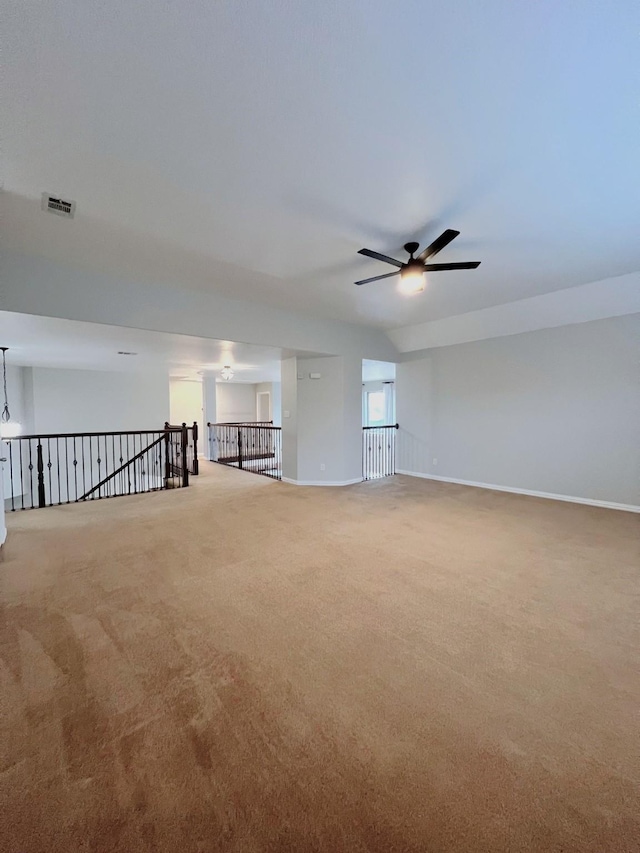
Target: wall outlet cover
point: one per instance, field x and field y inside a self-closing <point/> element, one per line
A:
<point x="315" y="376"/>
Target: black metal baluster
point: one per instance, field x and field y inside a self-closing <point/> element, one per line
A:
<point x="75" y="468"/>
<point x="66" y="463"/>
<point x="84" y="488"/>
<point x="49" y="468"/>
<point x="22" y="484"/>
<point x="40" y="470"/>
<point x="10" y="449"/>
<point x="31" y="472"/>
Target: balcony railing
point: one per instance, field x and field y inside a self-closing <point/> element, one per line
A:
<point x="255" y="447"/>
<point x="378" y="451"/>
<point x="61" y="468"/>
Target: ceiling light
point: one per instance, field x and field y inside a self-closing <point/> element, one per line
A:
<point x="412" y="279"/>
<point x="226" y="372"/>
<point x="8" y="428"/>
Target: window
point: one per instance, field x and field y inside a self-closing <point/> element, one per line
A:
<point x="376" y="408"/>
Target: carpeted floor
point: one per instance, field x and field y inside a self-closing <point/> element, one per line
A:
<point x="401" y="665"/>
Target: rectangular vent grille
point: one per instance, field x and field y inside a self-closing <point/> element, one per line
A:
<point x="59" y="206"/>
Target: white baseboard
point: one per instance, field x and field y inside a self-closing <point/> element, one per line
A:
<point x="530" y="492"/>
<point x="321" y="483"/>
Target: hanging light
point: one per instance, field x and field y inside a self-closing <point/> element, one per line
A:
<point x="8" y="428"/>
<point x="226" y="372"/>
<point x="412" y="278"/>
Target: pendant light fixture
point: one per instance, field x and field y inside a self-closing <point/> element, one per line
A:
<point x="8" y="429"/>
<point x="226" y="372"/>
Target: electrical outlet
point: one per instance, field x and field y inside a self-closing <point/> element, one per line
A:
<point x="435" y="462"/>
<point x="322" y="466"/>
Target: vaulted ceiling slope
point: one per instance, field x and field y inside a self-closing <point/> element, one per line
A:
<point x="250" y="149"/>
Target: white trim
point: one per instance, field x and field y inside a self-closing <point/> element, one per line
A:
<point x="321" y="482"/>
<point x="530" y="492"/>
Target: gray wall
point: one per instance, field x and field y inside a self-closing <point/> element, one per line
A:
<point x="66" y="401"/>
<point x="322" y="437"/>
<point x="235" y="402"/>
<point x="557" y="411"/>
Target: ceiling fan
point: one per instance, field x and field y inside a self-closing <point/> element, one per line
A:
<point x="412" y="272"/>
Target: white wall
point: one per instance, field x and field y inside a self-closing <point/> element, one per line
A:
<point x="235" y="402"/>
<point x="35" y="285"/>
<point x="555" y="411"/>
<point x="185" y="404"/>
<point x="97" y="401"/>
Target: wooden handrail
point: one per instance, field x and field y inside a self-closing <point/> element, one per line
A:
<point x="242" y="423"/>
<point x="91" y="434"/>
<point x="121" y="468"/>
<point x="383" y="426"/>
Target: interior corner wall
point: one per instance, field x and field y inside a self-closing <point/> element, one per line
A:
<point x="66" y="401"/>
<point x="555" y="411"/>
<point x="414" y="409"/>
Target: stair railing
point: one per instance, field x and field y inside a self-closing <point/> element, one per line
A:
<point x="60" y="468"/>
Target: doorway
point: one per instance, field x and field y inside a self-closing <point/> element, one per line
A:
<point x="264" y="406"/>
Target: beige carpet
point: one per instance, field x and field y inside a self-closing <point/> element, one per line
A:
<point x="250" y="666"/>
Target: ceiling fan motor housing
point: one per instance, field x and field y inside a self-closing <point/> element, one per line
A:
<point x="412" y="267"/>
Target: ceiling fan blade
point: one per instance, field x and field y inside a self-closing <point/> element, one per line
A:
<point x="438" y="244"/>
<point x="465" y="265"/>
<point x="371" y="254"/>
<point x="377" y="277"/>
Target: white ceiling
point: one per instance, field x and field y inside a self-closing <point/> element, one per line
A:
<point x="253" y="148"/>
<point x="49" y="342"/>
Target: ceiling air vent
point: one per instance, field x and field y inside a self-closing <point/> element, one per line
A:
<point x="60" y="206"/>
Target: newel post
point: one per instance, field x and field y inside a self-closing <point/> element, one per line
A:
<point x="185" y="466"/>
<point x="196" y="464"/>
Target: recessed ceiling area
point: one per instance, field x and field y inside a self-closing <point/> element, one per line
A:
<point x="251" y="149"/>
<point x="50" y="342"/>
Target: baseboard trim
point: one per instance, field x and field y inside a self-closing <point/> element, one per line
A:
<point x="321" y="482"/>
<point x="548" y="495"/>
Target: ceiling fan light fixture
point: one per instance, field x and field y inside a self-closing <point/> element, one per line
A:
<point x="226" y="373"/>
<point x="412" y="279"/>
